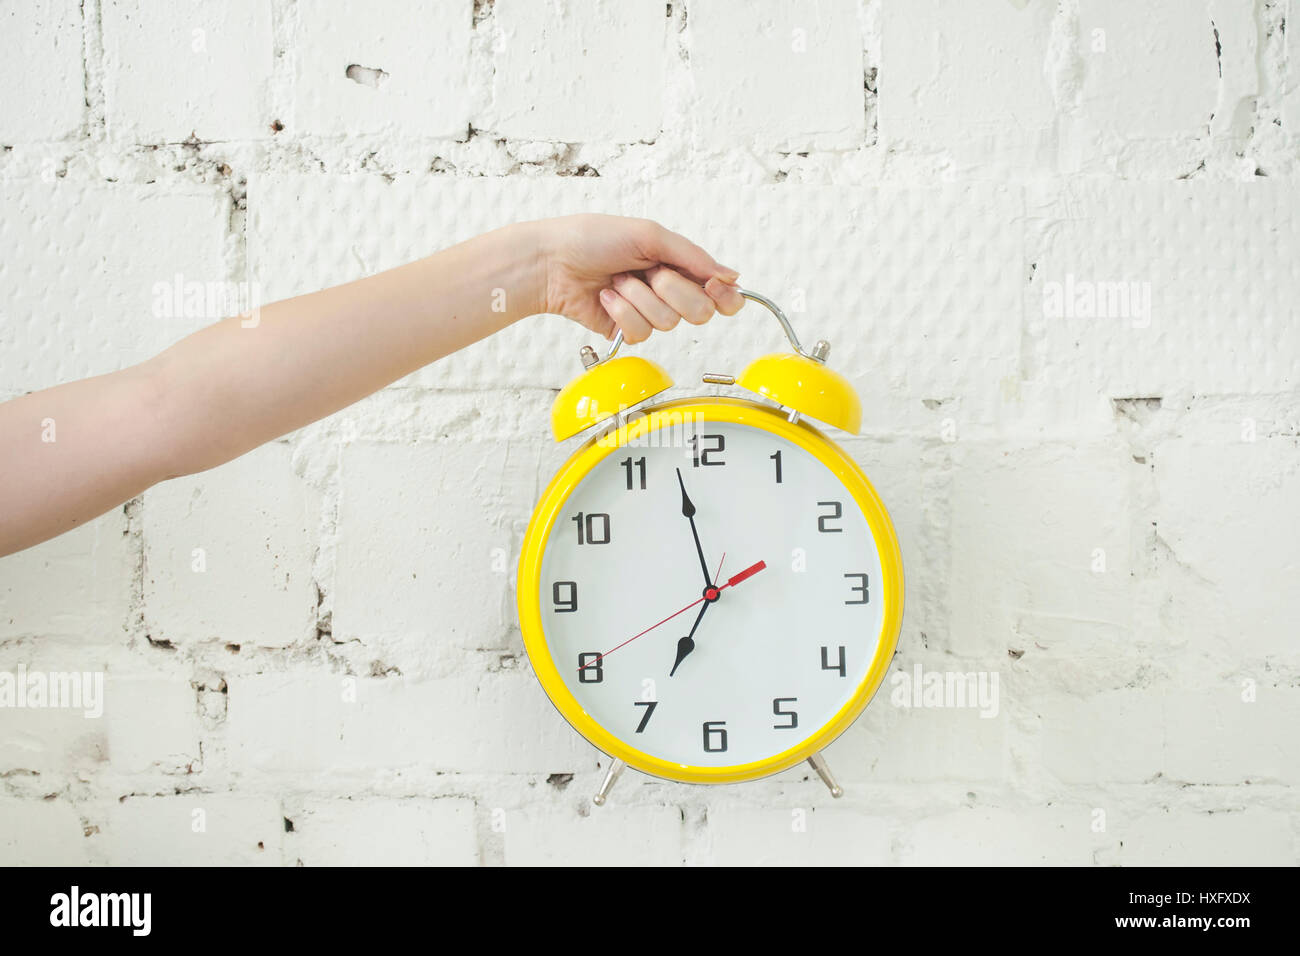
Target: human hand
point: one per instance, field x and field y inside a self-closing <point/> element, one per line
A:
<point x="609" y="273"/>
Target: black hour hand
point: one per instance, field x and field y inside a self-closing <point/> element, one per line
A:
<point x="684" y="647"/>
<point x="687" y="643"/>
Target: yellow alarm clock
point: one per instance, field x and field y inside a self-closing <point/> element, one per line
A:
<point x="710" y="590"/>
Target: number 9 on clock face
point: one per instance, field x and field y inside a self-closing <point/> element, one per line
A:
<point x="710" y="593"/>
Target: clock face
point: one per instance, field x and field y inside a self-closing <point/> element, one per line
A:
<point x="710" y="594"/>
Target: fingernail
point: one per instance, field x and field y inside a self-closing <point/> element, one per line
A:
<point x="728" y="274"/>
<point x="606" y="296"/>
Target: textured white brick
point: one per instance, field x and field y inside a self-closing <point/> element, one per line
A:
<point x="893" y="744"/>
<point x="80" y="265"/>
<point x="1149" y="69"/>
<point x="1188" y="735"/>
<point x="40" y="833"/>
<point x="796" y="836"/>
<point x="76" y="585"/>
<point x="1216" y="261"/>
<point x="1229" y="837"/>
<point x="1291" y="89"/>
<point x="254" y="521"/>
<point x="203" y="829"/>
<point x="1029" y="525"/>
<point x="910" y="285"/>
<point x="428" y="543"/>
<point x="41" y="70"/>
<point x="151" y="722"/>
<point x="965" y="77"/>
<point x="1113" y="737"/>
<point x="360" y="832"/>
<point x="422" y="52"/>
<point x="305" y="723"/>
<point x="1216" y="737"/>
<point x="612" y="835"/>
<point x="172" y="71"/>
<point x="1220" y="508"/>
<point x="584" y="70"/>
<point x="784" y="75"/>
<point x="53" y="741"/>
<point x="974" y="836"/>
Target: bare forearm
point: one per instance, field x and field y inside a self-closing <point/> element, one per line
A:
<point x="238" y="384"/>
<point x="74" y="451"/>
<point x="78" y="450"/>
<point x="248" y="379"/>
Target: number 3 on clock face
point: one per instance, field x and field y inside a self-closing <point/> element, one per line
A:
<point x="712" y="593"/>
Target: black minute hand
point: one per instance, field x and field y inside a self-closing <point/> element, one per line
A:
<point x="688" y="509"/>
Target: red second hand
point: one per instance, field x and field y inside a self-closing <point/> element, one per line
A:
<point x="732" y="581"/>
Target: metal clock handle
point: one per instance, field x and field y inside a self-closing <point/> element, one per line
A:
<point x="818" y="353"/>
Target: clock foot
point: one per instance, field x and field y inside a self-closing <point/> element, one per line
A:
<point x="611" y="775"/>
<point x="819" y="764"/>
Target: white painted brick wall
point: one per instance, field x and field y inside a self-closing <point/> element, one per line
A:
<point x="46" y="103"/>
<point x="1099" y="509"/>
<point x="176" y="71"/>
<point x="228" y="554"/>
<point x="370" y="832"/>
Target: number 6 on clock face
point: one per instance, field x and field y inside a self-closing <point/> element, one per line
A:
<point x="740" y="565"/>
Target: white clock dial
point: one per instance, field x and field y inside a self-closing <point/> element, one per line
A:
<point x="774" y="656"/>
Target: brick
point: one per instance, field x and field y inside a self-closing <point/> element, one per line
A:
<point x="1150" y="72"/>
<point x="1251" y="836"/>
<point x="41" y="70"/>
<point x="421" y="53"/>
<point x="498" y="723"/>
<point x="1114" y="737"/>
<point x="74" y="586"/>
<point x="1215" y="737"/>
<point x="173" y="71"/>
<point x="422" y="527"/>
<point x="966" y="77"/>
<point x="894" y="744"/>
<point x="975" y="836"/>
<point x="382" y="832"/>
<point x="254" y="522"/>
<point x="78" y="294"/>
<point x="44" y="833"/>
<point x="1069" y="508"/>
<point x="36" y="736"/>
<point x="190" y="829"/>
<point x="1205" y="270"/>
<point x="608" y="836"/>
<point x="796" y="836"/>
<point x="929" y="253"/>
<point x="1222" y="498"/>
<point x="1291" y="89"/>
<point x="585" y="71"/>
<point x="152" y="722"/>
<point x="1190" y="735"/>
<point x="785" y="75"/>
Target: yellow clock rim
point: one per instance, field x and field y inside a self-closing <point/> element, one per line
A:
<point x="580" y="464"/>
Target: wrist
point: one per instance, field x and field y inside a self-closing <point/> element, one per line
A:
<point x="530" y="254"/>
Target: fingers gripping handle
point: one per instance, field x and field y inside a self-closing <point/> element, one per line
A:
<point x="762" y="300"/>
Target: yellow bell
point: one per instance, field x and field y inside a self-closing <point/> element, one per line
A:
<point x="797" y="380"/>
<point x="807" y="386"/>
<point x="604" y="390"/>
